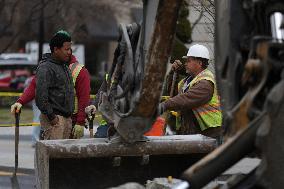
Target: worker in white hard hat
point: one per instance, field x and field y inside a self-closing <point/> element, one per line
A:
<point x="197" y="103"/>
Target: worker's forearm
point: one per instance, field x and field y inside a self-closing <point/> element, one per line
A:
<point x="196" y="96"/>
<point x="28" y="94"/>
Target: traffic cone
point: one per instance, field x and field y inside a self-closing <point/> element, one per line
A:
<point x="158" y="127"/>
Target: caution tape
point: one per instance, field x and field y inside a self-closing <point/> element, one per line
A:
<point x="21" y="124"/>
<point x="91" y="96"/>
<point x="10" y="94"/>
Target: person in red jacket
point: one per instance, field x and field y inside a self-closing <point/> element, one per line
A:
<point x="81" y="79"/>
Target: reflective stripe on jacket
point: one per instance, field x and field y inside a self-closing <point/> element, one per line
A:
<point x="208" y="115"/>
<point x="75" y="69"/>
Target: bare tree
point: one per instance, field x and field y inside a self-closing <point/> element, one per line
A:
<point x="13" y="24"/>
<point x="206" y="11"/>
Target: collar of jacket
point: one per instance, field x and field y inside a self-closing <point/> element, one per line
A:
<point x="48" y="57"/>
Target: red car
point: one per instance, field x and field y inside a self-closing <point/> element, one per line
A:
<point x="14" y="70"/>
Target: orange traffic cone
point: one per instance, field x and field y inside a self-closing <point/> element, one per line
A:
<point x="158" y="127"/>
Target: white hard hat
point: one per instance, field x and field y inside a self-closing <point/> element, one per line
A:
<point x="199" y="51"/>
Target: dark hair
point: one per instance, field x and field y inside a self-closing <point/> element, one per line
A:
<point x="58" y="39"/>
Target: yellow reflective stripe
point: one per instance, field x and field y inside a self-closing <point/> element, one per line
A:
<point x="208" y="115"/>
<point x="214" y="105"/>
<point x="75" y="73"/>
<point x="10" y="94"/>
<point x="75" y="69"/>
<point x="208" y="107"/>
<point x="72" y="67"/>
<point x="21" y="124"/>
<point x="180" y="85"/>
<point x="15" y="94"/>
<point x="75" y="103"/>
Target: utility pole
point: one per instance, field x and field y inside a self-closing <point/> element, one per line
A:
<point x="41" y="31"/>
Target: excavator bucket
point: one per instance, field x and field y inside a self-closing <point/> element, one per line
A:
<point x="128" y="104"/>
<point x="97" y="163"/>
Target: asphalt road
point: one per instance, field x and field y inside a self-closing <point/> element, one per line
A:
<point x="25" y="178"/>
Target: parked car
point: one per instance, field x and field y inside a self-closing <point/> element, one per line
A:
<point x="15" y="68"/>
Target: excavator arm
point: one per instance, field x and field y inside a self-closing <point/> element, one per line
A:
<point x="249" y="53"/>
<point x="138" y="73"/>
<point x="128" y="102"/>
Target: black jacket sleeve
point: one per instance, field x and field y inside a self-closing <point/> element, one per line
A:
<point x="43" y="82"/>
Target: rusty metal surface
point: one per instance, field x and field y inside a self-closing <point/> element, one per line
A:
<point x="158" y="156"/>
<point x="141" y="72"/>
<point x="234" y="149"/>
<point x="132" y="127"/>
<point x="177" y="144"/>
<point x="157" y="57"/>
<point x="254" y="76"/>
<point x="270" y="140"/>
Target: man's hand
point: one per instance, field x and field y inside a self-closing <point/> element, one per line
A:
<point x="78" y="131"/>
<point x="177" y="65"/>
<point x="54" y="121"/>
<point x="15" y="108"/>
<point x="90" y="110"/>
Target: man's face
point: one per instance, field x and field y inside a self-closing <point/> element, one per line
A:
<point x="192" y="66"/>
<point x="64" y="53"/>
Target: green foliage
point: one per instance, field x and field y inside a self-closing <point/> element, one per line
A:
<point x="179" y="50"/>
<point x="184" y="12"/>
<point x="183" y="30"/>
<point x="183" y="33"/>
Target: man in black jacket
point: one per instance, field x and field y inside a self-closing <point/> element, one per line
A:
<point x="55" y="90"/>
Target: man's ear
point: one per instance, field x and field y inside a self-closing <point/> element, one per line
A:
<point x="55" y="49"/>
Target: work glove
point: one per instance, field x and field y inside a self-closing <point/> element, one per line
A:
<point x="89" y="110"/>
<point x="16" y="107"/>
<point x="78" y="131"/>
